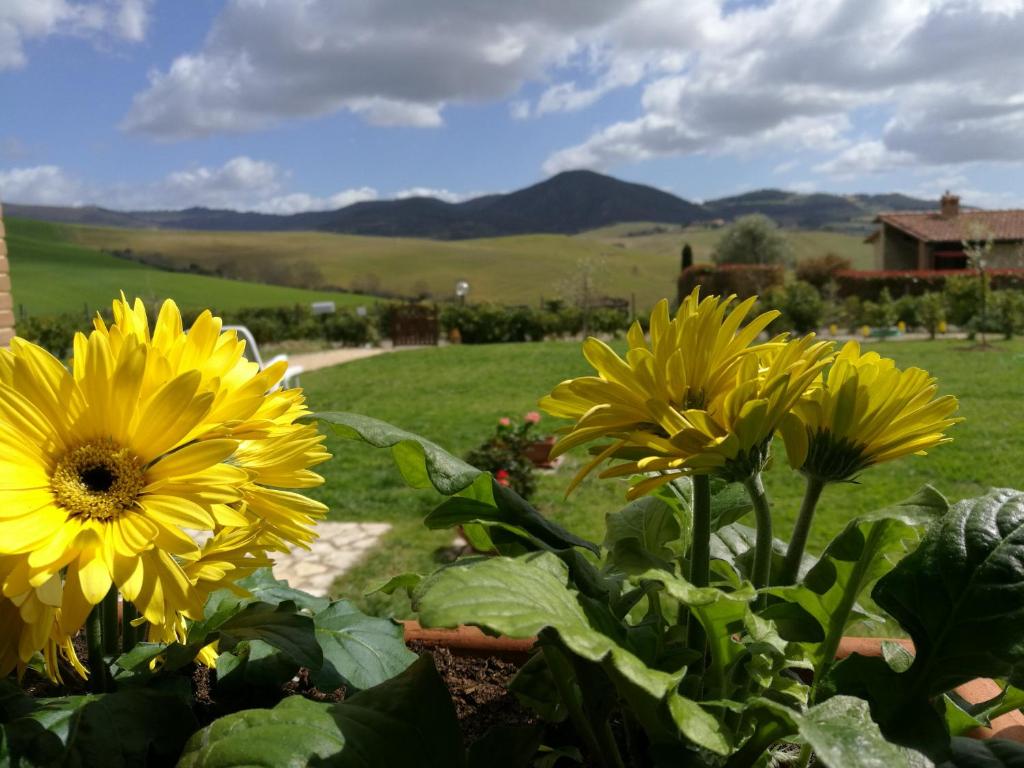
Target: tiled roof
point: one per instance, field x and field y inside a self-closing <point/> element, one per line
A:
<point x="932" y="227"/>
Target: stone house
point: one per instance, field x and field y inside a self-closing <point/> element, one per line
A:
<point x="933" y="240"/>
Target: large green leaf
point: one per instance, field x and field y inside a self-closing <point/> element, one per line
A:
<point x="843" y="735"/>
<point x="520" y="597"/>
<point x="422" y="463"/>
<point x="408" y="720"/>
<point x="150" y="727"/>
<point x="862" y="553"/>
<point x="264" y="588"/>
<point x="960" y="595"/>
<point x="360" y="651"/>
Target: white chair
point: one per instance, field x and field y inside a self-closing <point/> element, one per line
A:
<point x="252" y="353"/>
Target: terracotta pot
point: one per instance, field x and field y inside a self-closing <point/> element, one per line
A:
<point x="1008" y="726"/>
<point x="470" y="641"/>
<point x="539" y="452"/>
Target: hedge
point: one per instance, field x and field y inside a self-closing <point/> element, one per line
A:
<point x="742" y="279"/>
<point x="868" y="284"/>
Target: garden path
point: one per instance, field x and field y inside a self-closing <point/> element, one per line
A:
<point x="340" y="546"/>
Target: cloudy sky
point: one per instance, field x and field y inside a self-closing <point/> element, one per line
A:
<point x="291" y="105"/>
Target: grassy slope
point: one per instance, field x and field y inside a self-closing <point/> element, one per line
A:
<point x="50" y="274"/>
<point x="513" y="270"/>
<point x="454" y="395"/>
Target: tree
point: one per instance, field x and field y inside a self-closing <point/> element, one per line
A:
<point x="753" y="239"/>
<point x="686" y="258"/>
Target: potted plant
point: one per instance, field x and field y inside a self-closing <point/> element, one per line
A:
<point x="688" y="638"/>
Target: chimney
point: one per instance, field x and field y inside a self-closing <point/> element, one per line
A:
<point x="950" y="205"/>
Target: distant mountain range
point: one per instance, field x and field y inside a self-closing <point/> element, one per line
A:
<point x="567" y="203"/>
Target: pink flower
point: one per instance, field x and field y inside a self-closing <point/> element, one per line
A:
<point x="502" y="477"/>
<point x="505" y="421"/>
<point x="533" y="417"/>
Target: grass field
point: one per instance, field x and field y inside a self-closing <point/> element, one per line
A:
<point x="50" y="274"/>
<point x="454" y="395"/>
<point x="511" y="270"/>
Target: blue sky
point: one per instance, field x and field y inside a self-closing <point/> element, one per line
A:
<point x="290" y="105"/>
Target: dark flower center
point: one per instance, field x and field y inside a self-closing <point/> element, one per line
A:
<point x="98" y="479"/>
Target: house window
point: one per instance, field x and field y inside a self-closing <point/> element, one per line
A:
<point x="951" y="259"/>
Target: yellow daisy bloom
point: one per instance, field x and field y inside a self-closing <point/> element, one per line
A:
<point x="731" y="437"/>
<point x="691" y="361"/>
<point x="868" y="411"/>
<point x="112" y="466"/>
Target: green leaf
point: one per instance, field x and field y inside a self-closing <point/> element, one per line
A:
<point x="267" y="589"/>
<point x="719" y="613"/>
<point x="649" y="521"/>
<point x="992" y="753"/>
<point x="150" y="726"/>
<point x="406" y="581"/>
<point x="843" y="735"/>
<point x="729" y="501"/>
<point x="699" y="725"/>
<point x="862" y="553"/>
<point x="408" y="720"/>
<point x="519" y="597"/>
<point x="360" y="651"/>
<point x="535" y="688"/>
<point x="960" y="595"/>
<point x="422" y="463"/>
<point x="506" y="508"/>
<point x="279" y="626"/>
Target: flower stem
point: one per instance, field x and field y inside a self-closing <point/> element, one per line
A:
<point x="700" y="552"/>
<point x="110" y="622"/>
<point x="94" y="639"/>
<point x="798" y="542"/>
<point x="764" y="541"/>
<point x="129" y="634"/>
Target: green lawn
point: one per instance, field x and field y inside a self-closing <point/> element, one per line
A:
<point x="510" y="270"/>
<point x="454" y="395"/>
<point x="50" y="275"/>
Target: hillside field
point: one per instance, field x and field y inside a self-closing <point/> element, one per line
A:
<point x="52" y="274"/>
<point x="513" y="270"/>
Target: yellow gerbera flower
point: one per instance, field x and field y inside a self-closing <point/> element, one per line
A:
<point x="112" y="466"/>
<point x="731" y="437"/>
<point x="868" y="411"/>
<point x="691" y="361"/>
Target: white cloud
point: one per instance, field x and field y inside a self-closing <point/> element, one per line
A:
<point x="40" y="185"/>
<point x="242" y="184"/>
<point x="519" y="109"/>
<point x="440" y="194"/>
<point x="25" y="20"/>
<point x="864" y="158"/>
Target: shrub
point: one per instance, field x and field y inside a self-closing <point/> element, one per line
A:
<point x="1006" y="312"/>
<point x="931" y="309"/>
<point x="55" y="334"/>
<point x="881" y="313"/>
<point x="963" y="298"/>
<point x="801" y="305"/>
<point x="820" y="271"/>
<point x="753" y="239"/>
<point x="867" y="284"/>
<point x="908" y="310"/>
<point x="503" y="454"/>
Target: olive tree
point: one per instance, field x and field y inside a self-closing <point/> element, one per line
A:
<point x="753" y="239"/>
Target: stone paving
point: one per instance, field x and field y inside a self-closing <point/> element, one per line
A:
<point x="339" y="548"/>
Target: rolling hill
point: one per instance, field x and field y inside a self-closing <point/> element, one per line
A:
<point x="640" y="259"/>
<point x="568" y="203"/>
<point x="51" y="274"/>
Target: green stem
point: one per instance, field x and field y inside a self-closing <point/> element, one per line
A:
<point x="700" y="552"/>
<point x="761" y="575"/>
<point x="94" y="639"/>
<point x="805" y="756"/>
<point x="839" y="617"/>
<point x="129" y="634"/>
<point x="798" y="542"/>
<point x="607" y="755"/>
<point x="110" y="622"/>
